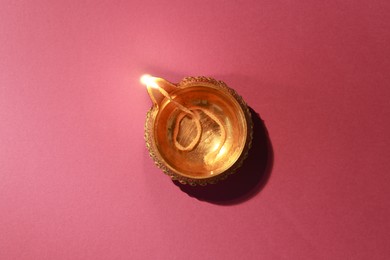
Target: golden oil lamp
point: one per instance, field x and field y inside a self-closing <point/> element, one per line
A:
<point x="198" y="131"/>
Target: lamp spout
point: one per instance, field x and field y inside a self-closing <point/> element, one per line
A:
<point x="158" y="88"/>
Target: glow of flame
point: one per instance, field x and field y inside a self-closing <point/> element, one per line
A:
<point x="149" y="80"/>
<point x="222" y="150"/>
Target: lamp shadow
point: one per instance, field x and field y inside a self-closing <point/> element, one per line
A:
<point x="248" y="180"/>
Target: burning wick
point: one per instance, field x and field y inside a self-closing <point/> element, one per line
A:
<point x="192" y="113"/>
<point x="150" y="81"/>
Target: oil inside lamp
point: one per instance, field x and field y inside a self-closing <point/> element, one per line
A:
<point x="198" y="131"/>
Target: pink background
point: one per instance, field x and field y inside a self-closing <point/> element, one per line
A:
<point x="76" y="181"/>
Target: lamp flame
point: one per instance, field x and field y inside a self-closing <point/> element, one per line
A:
<point x="149" y="80"/>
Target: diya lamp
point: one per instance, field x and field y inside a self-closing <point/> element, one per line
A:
<point x="198" y="131"/>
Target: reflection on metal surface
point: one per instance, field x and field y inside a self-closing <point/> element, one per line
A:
<point x="198" y="131"/>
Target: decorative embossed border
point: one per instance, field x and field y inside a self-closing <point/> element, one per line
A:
<point x="153" y="151"/>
